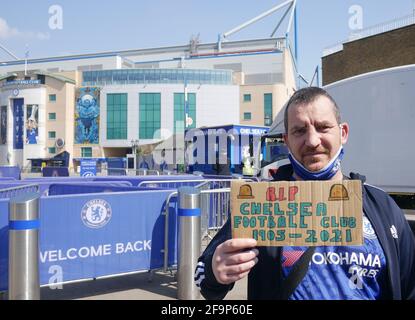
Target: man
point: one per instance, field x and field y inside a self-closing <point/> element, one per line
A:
<point x="382" y="268"/>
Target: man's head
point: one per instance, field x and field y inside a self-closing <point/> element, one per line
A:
<point x="313" y="128"/>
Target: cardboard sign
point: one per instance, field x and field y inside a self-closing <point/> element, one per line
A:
<point x="298" y="213"/>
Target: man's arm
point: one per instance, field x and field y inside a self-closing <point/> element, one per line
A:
<point x="224" y="261"/>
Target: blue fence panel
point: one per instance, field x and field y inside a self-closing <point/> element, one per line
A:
<point x="45" y="183"/>
<point x="7" y="193"/>
<point x="61" y="189"/>
<point x="10" y="171"/>
<point x="12" y="184"/>
<point x="88" y="236"/>
<point x="136" y="180"/>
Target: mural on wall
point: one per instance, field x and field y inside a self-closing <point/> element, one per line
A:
<point x="3" y="125"/>
<point x="32" y="120"/>
<point x="87" y="116"/>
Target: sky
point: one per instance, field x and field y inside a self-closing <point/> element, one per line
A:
<point x="90" y="26"/>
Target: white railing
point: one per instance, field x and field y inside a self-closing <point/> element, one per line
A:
<point x="371" y="31"/>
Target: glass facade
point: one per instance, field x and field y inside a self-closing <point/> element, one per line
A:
<point x="179" y="111"/>
<point x="150" y="115"/>
<point x="116" y="116"/>
<point x="86" y="152"/>
<point x="268" y="109"/>
<point x="131" y="76"/>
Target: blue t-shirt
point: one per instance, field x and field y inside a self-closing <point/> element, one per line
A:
<point x="341" y="273"/>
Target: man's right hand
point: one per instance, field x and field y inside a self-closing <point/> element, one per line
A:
<point x="233" y="259"/>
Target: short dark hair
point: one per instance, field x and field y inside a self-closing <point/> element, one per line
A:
<point x="308" y="95"/>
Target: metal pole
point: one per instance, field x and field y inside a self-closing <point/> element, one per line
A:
<point x="24" y="283"/>
<point x="259" y="17"/>
<point x="189" y="237"/>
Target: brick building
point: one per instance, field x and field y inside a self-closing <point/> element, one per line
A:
<point x="384" y="46"/>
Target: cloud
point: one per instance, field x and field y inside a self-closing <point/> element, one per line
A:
<point x="7" y="32"/>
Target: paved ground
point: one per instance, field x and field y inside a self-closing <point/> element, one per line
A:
<point x="163" y="286"/>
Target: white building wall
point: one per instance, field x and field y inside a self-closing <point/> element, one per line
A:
<point x="251" y="64"/>
<point x="7" y="149"/>
<point x="62" y="64"/>
<point x="215" y="105"/>
<point x="31" y="96"/>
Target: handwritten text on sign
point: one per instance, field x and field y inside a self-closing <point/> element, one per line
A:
<point x="300" y="213"/>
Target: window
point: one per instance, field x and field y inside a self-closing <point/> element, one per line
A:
<point x="117" y="116"/>
<point x="179" y="111"/>
<point x="247" y="98"/>
<point x="52" y="150"/>
<point x="150" y="115"/>
<point x="86" y="152"/>
<point x="268" y="109"/>
<point x="247" y="116"/>
<point x="52" y="134"/>
<point x="52" y="98"/>
<point x="52" y="116"/>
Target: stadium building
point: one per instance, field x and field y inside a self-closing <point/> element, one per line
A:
<point x="96" y="105"/>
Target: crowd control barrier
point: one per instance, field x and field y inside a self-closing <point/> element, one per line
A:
<point x="55" y="172"/>
<point x="93" y="235"/>
<point x="45" y="184"/>
<point x="138" y="180"/>
<point x="10" y="192"/>
<point x="10" y="171"/>
<point x="61" y="189"/>
<point x="214" y="207"/>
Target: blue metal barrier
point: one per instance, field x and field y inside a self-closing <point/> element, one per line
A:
<point x="44" y="184"/>
<point x="9" y="192"/>
<point x="88" y="236"/>
<point x="136" y="180"/>
<point x="10" y="171"/>
<point x="61" y="189"/>
<point x="55" y="172"/>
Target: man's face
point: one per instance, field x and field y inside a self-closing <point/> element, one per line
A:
<point x="313" y="134"/>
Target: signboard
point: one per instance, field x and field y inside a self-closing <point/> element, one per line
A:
<point x="22" y="83"/>
<point x="32" y="120"/>
<point x="298" y="213"/>
<point x="18" y="123"/>
<point x="88" y="168"/>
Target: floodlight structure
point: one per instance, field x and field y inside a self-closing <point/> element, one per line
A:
<point x="8" y="52"/>
<point x="291" y="8"/>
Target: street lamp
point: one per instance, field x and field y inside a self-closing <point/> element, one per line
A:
<point x="135" y="144"/>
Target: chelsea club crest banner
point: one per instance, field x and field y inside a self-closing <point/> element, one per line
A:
<point x="87" y="116"/>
